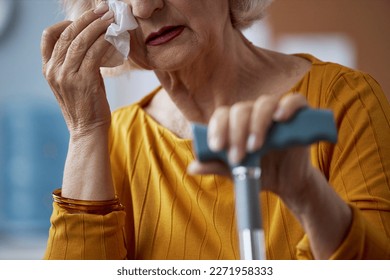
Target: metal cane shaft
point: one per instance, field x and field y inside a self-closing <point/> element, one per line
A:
<point x="248" y="212"/>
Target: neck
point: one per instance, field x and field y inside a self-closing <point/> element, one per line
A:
<point x="227" y="73"/>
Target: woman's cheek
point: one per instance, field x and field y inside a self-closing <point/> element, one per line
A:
<point x="112" y="58"/>
<point x="138" y="52"/>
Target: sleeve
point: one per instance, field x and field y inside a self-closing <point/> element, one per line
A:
<point x="358" y="166"/>
<point x="85" y="236"/>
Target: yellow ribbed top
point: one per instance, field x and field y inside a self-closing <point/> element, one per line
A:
<point x="172" y="215"/>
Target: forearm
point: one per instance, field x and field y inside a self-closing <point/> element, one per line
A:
<point x="324" y="216"/>
<point x="87" y="173"/>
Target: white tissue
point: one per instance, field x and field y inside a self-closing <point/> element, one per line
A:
<point x="117" y="33"/>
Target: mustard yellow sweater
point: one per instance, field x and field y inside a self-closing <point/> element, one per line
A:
<point x="171" y="215"/>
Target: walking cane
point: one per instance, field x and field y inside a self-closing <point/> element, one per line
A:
<point x="306" y="127"/>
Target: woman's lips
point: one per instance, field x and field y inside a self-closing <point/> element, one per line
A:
<point x="164" y="35"/>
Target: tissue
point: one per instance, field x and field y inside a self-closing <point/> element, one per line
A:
<point x="117" y="33"/>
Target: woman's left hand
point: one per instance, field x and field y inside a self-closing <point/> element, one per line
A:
<point x="288" y="173"/>
<point x="243" y="128"/>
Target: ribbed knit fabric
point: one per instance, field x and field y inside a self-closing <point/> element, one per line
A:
<point x="172" y="215"/>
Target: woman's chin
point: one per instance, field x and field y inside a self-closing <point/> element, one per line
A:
<point x="174" y="59"/>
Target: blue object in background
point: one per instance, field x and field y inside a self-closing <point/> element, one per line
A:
<point x="34" y="142"/>
<point x="30" y="172"/>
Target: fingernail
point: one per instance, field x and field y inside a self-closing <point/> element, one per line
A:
<point x="215" y="144"/>
<point x="251" y="143"/>
<point x="234" y="156"/>
<point x="192" y="168"/>
<point x="101" y="8"/>
<point x="278" y="114"/>
<point x="108" y="15"/>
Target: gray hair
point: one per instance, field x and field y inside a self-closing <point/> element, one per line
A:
<point x="243" y="12"/>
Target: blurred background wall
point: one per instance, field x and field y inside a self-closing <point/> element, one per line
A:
<point x="33" y="137"/>
<point x="360" y="26"/>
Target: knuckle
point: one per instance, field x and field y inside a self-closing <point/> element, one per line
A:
<point x="218" y="120"/>
<point x="46" y="73"/>
<point x="69" y="33"/>
<point x="293" y="101"/>
<point x="66" y="36"/>
<point x="91" y="55"/>
<point x="264" y="100"/>
<point x="240" y="114"/>
<point x="240" y="107"/>
<point x="63" y="77"/>
<point x="49" y="72"/>
<point x="86" y="17"/>
<point x="77" y="45"/>
<point x="54" y="76"/>
<point x="47" y="34"/>
<point x="220" y="112"/>
<point x="53" y="81"/>
<point x="54" y="32"/>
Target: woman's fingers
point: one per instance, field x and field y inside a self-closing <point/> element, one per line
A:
<point x="266" y="110"/>
<point x="75" y="40"/>
<point x="92" y="59"/>
<point x="49" y="39"/>
<point x="288" y="106"/>
<point x="70" y="33"/>
<point x="260" y="122"/>
<point x="244" y="127"/>
<point x="241" y="127"/>
<point x="57" y="39"/>
<point x="240" y="115"/>
<point x="72" y="55"/>
<point x="218" y="129"/>
<point x="82" y="44"/>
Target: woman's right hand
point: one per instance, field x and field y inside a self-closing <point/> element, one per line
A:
<point x="72" y="54"/>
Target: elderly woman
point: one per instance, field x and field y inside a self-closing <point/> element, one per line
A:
<point x="132" y="187"/>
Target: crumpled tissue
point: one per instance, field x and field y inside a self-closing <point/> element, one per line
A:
<point x="117" y="33"/>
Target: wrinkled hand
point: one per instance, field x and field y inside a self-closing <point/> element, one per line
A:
<point x="243" y="128"/>
<point x="72" y="54"/>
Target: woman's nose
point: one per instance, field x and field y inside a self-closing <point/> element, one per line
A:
<point x="144" y="9"/>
